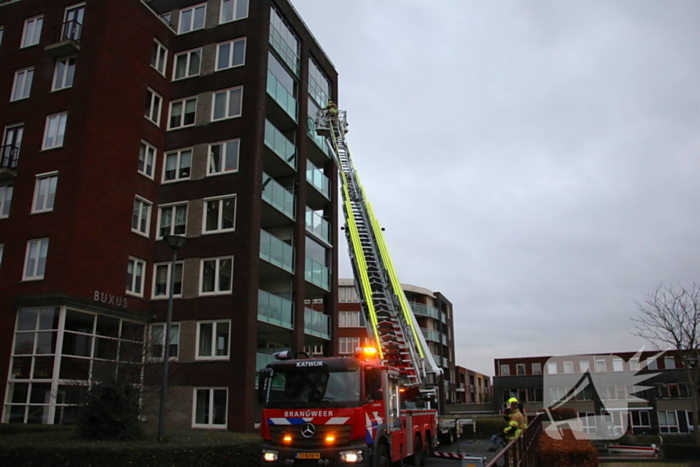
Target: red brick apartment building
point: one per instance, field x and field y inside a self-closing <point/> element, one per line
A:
<point x="472" y="387"/>
<point x="433" y="312"/>
<point x="657" y="404"/>
<point x="125" y="121"/>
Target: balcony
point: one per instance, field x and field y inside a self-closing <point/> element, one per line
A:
<point x="282" y="160"/>
<point x="290" y="56"/>
<point x="286" y="102"/>
<point x="280" y="198"/>
<point x="275" y="310"/>
<point x="322" y="185"/>
<point x="66" y="40"/>
<point x="319" y="152"/>
<point x="444" y="318"/>
<point x="9" y="155"/>
<point x="318" y="226"/>
<point x="431" y="334"/>
<point x="276" y="252"/>
<point x="317" y="274"/>
<point x="317" y="324"/>
<point x="420" y="309"/>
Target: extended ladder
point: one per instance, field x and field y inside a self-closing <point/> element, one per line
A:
<point x="390" y="319"/>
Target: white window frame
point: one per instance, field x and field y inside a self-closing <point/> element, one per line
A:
<point x="55" y="86"/>
<point x="345" y="342"/>
<point x="181" y="123"/>
<point x="520" y="369"/>
<point x="568" y="367"/>
<point x="229" y="60"/>
<point x="169" y="268"/>
<point x="22" y="84"/>
<point x="52" y="177"/>
<point x="217" y="284"/>
<point x="220" y="217"/>
<point x="130" y="287"/>
<point x="58" y="137"/>
<point x="191" y="25"/>
<point x="210" y="425"/>
<point x="188" y="63"/>
<point x="178" y="158"/>
<point x="634" y="364"/>
<point x="213" y="355"/>
<point x="36" y="274"/>
<point x="504" y="369"/>
<point x="160" y="61"/>
<point x="147" y="151"/>
<point x="6" y="191"/>
<point x="601" y="364"/>
<point x="144" y="205"/>
<point x="234" y="9"/>
<point x="669" y="363"/>
<point x="667" y="426"/>
<point x="584" y="366"/>
<point x="223" y="145"/>
<point x="228" y="93"/>
<point x="618" y="364"/>
<point x="35" y="38"/>
<point x="552" y="368"/>
<point x="350" y="319"/>
<point x="536" y="368"/>
<point x="172" y="207"/>
<point x="151" y="111"/>
<point x="173" y="337"/>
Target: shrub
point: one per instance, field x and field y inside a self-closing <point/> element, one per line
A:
<point x="20" y="428"/>
<point x="681" y="452"/>
<point x="110" y="412"/>
<point x="567" y="452"/>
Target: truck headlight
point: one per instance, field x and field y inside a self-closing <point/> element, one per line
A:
<point x="269" y="455"/>
<point x="351" y="456"/>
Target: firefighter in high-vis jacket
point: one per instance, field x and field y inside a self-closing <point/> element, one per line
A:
<point x="516" y="420"/>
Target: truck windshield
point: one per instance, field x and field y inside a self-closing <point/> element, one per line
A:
<point x="315" y="388"/>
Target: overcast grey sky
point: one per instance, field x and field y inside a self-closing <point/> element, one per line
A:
<point x="534" y="161"/>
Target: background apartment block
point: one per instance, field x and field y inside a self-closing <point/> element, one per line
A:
<point x="665" y="407"/>
<point x="472" y="387"/>
<point x="125" y="121"/>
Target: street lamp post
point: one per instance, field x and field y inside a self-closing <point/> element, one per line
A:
<point x="175" y="242"/>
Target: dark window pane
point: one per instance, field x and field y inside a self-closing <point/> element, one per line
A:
<point x="21" y="367"/>
<point x="48" y="318"/>
<point x="66" y="415"/>
<point x="43" y="367"/>
<point x="75" y="368"/>
<point x="17" y="414"/>
<point x="46" y="342"/>
<point x="71" y="394"/>
<point x="41" y="393"/>
<point x="77" y="344"/>
<point x="17" y="393"/>
<point x="24" y="343"/>
<point x="132" y="331"/>
<point x="103" y="371"/>
<point x="219" y="407"/>
<point x="202" y="410"/>
<point x="80" y="322"/>
<point x="131" y="352"/>
<point x="106" y="349"/>
<point x="38" y="415"/>
<point x="26" y="319"/>
<point x="107" y="326"/>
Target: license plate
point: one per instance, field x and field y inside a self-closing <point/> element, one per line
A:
<point x="308" y="455"/>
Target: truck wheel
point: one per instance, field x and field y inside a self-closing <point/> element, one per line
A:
<point x="382" y="458"/>
<point x="429" y="449"/>
<point x="417" y="458"/>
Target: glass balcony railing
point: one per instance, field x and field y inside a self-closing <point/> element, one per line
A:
<point x="280" y="145"/>
<point x="275" y="251"/>
<point x="318" y="180"/>
<point x="275" y="310"/>
<point x="420" y="309"/>
<point x="317" y="274"/>
<point x="444" y="339"/>
<point x="444" y="317"/>
<point x="317" y="225"/>
<point x="288" y="54"/>
<point x="279" y="197"/>
<point x="317" y="324"/>
<point x="262" y="360"/>
<point x="280" y="94"/>
<point x="431" y="334"/>
<point x="320" y="141"/>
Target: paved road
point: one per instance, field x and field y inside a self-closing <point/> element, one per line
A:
<point x="478" y="448"/>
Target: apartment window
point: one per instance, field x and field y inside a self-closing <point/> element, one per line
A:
<point x="55" y="130"/>
<point x="349" y="319"/>
<point x="210" y="408"/>
<point x="227" y="104"/>
<point x="652" y="364"/>
<point x="584" y="366"/>
<point x="161" y="280"/>
<point x="22" y="84"/>
<point x="668" y="421"/>
<point x="5" y="200"/>
<point x="347" y="294"/>
<point x="158" y="341"/>
<point x="11" y="142"/>
<point x="35" y="262"/>
<point x="347" y="345"/>
<point x="216" y="276"/>
<point x="536" y="368"/>
<point x="220" y="214"/>
<point x="187" y="64"/>
<point x="634" y="364"/>
<point x="63" y="74"/>
<point x="213" y="339"/>
<point x="230" y="54"/>
<point x="588" y="422"/>
<point x="520" y="369"/>
<point x="172" y="220"/>
<point x="32" y="31"/>
<point x="618" y="364"/>
<point x="600" y="366"/>
<point x="153" y="105"/>
<point x="73" y="22"/>
<point x="669" y="363"/>
<point x="551" y="368"/>
<point x="147" y="159"/>
<point x="141" y="216"/>
<point x="192" y="18"/>
<point x="177" y="165"/>
<point x="640" y="419"/>
<point x="223" y="157"/>
<point x="182" y="113"/>
<point x="505" y="370"/>
<point x="568" y="367"/>
<point x="44" y="192"/>
<point x="232" y="10"/>
<point x="159" y="57"/>
<point x="319" y="84"/>
<point x="135" y="272"/>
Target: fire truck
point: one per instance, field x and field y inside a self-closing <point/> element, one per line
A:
<point x="376" y="407"/>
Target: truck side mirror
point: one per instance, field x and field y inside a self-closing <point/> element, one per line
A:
<point x="263" y="383"/>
